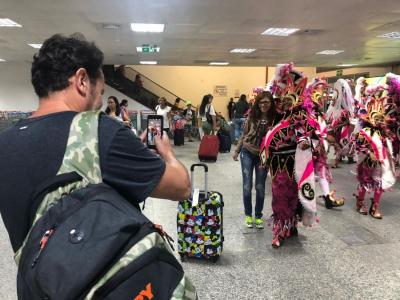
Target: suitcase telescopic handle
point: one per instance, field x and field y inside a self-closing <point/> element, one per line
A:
<point x="199" y="165"/>
<point x="205" y="177"/>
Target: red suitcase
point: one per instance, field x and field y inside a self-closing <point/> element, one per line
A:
<point x="209" y="146"/>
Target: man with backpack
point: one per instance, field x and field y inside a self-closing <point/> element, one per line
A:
<point x="70" y="171"/>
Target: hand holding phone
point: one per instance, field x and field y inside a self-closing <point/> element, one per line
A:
<point x="154" y="128"/>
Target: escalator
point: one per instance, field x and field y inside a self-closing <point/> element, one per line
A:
<point x="145" y="91"/>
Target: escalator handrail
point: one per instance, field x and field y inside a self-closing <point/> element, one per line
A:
<point x="157" y="84"/>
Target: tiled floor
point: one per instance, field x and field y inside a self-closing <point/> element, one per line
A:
<point x="347" y="256"/>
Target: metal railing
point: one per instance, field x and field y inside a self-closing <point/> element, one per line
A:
<point x="146" y="92"/>
<point x="152" y="86"/>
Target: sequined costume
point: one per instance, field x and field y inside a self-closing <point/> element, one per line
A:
<point x="285" y="201"/>
<point x="392" y="113"/>
<point x="278" y="152"/>
<point x="375" y="169"/>
<point x="315" y="98"/>
<point x="339" y="116"/>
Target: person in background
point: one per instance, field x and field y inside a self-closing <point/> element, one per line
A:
<point x="138" y="84"/>
<point x="241" y="107"/>
<point x="163" y="110"/>
<point x="231" y="109"/>
<point x="124" y="110"/>
<point x="207" y="121"/>
<point x="114" y="110"/>
<point x="125" y="114"/>
<point x="256" y="127"/>
<point x="189" y="115"/>
<point x="138" y="80"/>
<point x="120" y="70"/>
<point x="178" y="103"/>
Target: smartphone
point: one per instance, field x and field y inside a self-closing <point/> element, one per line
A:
<point x="154" y="127"/>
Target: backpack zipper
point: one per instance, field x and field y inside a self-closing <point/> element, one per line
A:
<point x="165" y="235"/>
<point x="43" y="242"/>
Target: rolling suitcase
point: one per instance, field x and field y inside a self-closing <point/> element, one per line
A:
<point x="209" y="147"/>
<point x="224" y="142"/>
<point x="179" y="137"/>
<point x="200" y="222"/>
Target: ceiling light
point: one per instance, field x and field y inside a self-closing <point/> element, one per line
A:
<point x="347" y="65"/>
<point x="2" y="60"/>
<point x="219" y="63"/>
<point x="8" y="23"/>
<point x="330" y="52"/>
<point x="148" y="49"/>
<point x="280" y="31"/>
<point x="111" y="26"/>
<point x="148" y="62"/>
<point x="390" y="35"/>
<point x="240" y="50"/>
<point x="143" y="27"/>
<point x="36" y="46"/>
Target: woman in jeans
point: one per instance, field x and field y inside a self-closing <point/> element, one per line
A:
<point x="256" y="126"/>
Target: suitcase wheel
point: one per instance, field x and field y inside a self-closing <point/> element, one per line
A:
<point x="214" y="259"/>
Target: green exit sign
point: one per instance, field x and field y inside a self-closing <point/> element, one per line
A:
<point x="146" y="48"/>
<point x="339" y="73"/>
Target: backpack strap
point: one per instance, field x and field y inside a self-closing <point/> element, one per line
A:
<point x="82" y="151"/>
<point x="48" y="186"/>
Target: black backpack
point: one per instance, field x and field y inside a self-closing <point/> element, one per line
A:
<point x="88" y="242"/>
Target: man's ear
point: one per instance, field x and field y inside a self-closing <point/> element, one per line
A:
<point x="82" y="81"/>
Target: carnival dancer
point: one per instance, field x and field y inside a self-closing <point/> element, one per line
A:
<point x="392" y="113"/>
<point x="360" y="97"/>
<point x="341" y="122"/>
<point x="375" y="169"/>
<point x="315" y="97"/>
<point x="291" y="179"/>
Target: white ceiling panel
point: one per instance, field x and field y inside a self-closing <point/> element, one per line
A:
<point x="198" y="31"/>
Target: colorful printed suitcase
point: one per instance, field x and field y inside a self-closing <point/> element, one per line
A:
<point x="200" y="226"/>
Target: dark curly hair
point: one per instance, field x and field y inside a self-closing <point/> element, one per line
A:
<point x="59" y="58"/>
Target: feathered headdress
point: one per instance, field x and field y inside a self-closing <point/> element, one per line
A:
<point x="314" y="93"/>
<point x="258" y="90"/>
<point x="317" y="89"/>
<point x="288" y="83"/>
<point x="361" y="83"/>
<point x="344" y="100"/>
<point x="376" y="108"/>
<point x="393" y="88"/>
<point x="375" y="91"/>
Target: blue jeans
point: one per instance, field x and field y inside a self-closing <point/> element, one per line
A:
<point x="250" y="162"/>
<point x="238" y="127"/>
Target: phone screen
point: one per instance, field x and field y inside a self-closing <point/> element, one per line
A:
<point x="154" y="127"/>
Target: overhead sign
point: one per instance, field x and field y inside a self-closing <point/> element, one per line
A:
<point x="150" y="48"/>
<point x="220" y="91"/>
<point x="146" y="48"/>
